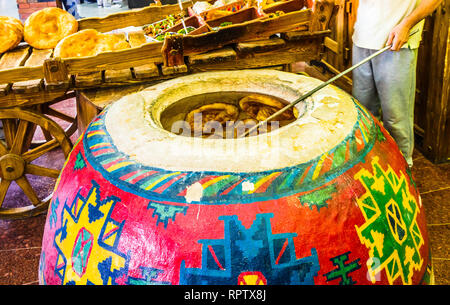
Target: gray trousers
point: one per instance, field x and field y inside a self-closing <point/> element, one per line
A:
<point x="386" y="86"/>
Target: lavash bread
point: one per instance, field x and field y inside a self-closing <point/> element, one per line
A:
<point x="46" y="27"/>
<point x="216" y="112"/>
<point x="260" y="107"/>
<point x="88" y="42"/>
<point x="11" y="33"/>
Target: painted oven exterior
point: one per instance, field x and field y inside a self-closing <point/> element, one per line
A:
<point x="353" y="215"/>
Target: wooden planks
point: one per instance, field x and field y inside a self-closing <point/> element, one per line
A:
<point x="337" y="52"/>
<point x="12" y="59"/>
<point x="331" y="44"/>
<point x="36" y="58"/>
<point x="150" y="52"/>
<point x="213" y="57"/>
<point x="258" y="46"/>
<point x="135" y="17"/>
<point x="91" y="102"/>
<point x="286" y="53"/>
<point x="136" y="39"/>
<point x="119" y="75"/>
<point x="253" y="30"/>
<point x="249" y="44"/>
<point x="23" y="100"/>
<point x="436" y="140"/>
<point x="88" y="79"/>
<point x="121" y="70"/>
<point x="275" y="51"/>
<point x="143" y="60"/>
<point x="169" y="70"/>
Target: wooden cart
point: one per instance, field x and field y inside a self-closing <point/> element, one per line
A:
<point x="33" y="82"/>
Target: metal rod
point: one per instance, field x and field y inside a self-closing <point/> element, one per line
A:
<point x="182" y="21"/>
<point x="306" y="95"/>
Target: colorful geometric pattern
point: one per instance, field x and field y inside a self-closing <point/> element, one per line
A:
<point x="165" y="211"/>
<point x="81" y="251"/>
<point x="351" y="214"/>
<point x="149" y="276"/>
<point x="390" y="230"/>
<point x="220" y="187"/>
<point x="53" y="216"/>
<point x="252" y="278"/>
<point x="318" y="198"/>
<point x="343" y="269"/>
<point x="79" y="162"/>
<point x="244" y="252"/>
<point x="78" y="265"/>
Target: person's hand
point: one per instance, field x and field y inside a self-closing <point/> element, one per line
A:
<point x="398" y="36"/>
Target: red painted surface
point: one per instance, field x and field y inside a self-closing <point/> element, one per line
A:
<point x="302" y="235"/>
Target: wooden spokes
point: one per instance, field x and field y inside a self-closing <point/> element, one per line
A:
<point x="48" y="109"/>
<point x="18" y="158"/>
<point x="40" y="150"/>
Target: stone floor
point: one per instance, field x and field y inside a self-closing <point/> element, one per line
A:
<point x="88" y="9"/>
<point x="20" y="240"/>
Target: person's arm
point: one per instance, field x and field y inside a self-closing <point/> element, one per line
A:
<point x="400" y="34"/>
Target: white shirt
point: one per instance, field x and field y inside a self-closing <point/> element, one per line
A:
<point x="376" y="18"/>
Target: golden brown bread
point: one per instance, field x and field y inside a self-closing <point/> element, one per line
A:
<point x="214" y="14"/>
<point x="216" y="112"/>
<point x="46" y="27"/>
<point x="260" y="107"/>
<point x="11" y="33"/>
<point x="89" y="43"/>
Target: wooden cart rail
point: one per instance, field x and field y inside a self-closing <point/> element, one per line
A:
<point x="135" y="17"/>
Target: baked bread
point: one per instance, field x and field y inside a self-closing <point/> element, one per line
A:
<point x="11" y="33"/>
<point x="261" y="107"/>
<point x="215" y="14"/>
<point x="89" y="42"/>
<point x="210" y="114"/>
<point x="45" y="28"/>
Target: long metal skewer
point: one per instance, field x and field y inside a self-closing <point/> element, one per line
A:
<point x="306" y="95"/>
<point x="182" y="21"/>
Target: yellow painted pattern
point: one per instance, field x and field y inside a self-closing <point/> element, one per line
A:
<point x="161" y="179"/>
<point x="252" y="279"/>
<point x="97" y="253"/>
<point x="213" y="181"/>
<point x="319" y="166"/>
<point x="96" y="133"/>
<point x="118" y="165"/>
<point x="379" y="235"/>
<point x="262" y="181"/>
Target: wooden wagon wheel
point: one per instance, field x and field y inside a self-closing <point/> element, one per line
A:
<point x="51" y="112"/>
<point x="18" y="159"/>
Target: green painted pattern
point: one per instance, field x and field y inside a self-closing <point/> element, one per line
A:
<point x="318" y="198"/>
<point x="391" y="231"/>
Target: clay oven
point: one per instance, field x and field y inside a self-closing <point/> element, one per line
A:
<point x="325" y="199"/>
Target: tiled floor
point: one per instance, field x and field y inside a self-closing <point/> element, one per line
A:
<point x="20" y="240"/>
<point x="433" y="182"/>
<point x="88" y="9"/>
